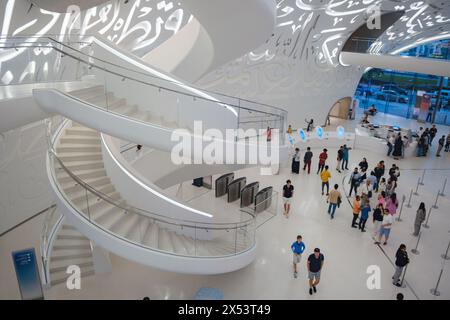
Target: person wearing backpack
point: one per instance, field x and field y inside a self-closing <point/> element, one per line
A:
<point x="354" y="182"/>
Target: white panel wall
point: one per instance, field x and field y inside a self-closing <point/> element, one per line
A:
<point x="24" y="186"/>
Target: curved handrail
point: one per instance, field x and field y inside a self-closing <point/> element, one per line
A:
<point x="47" y="238"/>
<point x="189" y="224"/>
<point x="282" y="113"/>
<point x="51" y="140"/>
<point x="88" y="42"/>
<point x="148" y="214"/>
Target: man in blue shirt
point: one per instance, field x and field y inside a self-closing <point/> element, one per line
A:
<point x="297" y="249"/>
<point x="345" y="157"/>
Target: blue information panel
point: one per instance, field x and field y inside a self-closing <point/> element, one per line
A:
<point x="27" y="273"/>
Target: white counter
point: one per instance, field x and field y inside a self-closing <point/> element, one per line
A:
<point x="364" y="141"/>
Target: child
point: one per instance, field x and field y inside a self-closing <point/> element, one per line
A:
<point x="356" y="210"/>
<point x="364" y="216"/>
<point x="382" y="185"/>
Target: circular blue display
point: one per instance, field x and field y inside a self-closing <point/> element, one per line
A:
<point x="290" y="139"/>
<point x="319" y="132"/>
<point x="340" y="131"/>
<point x="302" y="135"/>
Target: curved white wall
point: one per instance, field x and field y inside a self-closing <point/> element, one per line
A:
<point x="141" y="193"/>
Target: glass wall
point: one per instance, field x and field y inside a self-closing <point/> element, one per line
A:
<point x="406" y="94"/>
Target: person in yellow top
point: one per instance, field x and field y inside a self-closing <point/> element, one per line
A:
<point x="334" y="199"/>
<point x="356" y="210"/>
<point x="325" y="176"/>
<point x="289" y="130"/>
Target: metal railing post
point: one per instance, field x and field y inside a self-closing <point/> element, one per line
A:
<point x="423" y="175"/>
<point x="416" y="193"/>
<point x="443" y="188"/>
<point x="445" y="255"/>
<point x="415" y="251"/>
<point x="401" y="209"/>
<point x="408" y="205"/>
<point x="428" y="217"/>
<point x="435" y="202"/>
<point x="435" y="291"/>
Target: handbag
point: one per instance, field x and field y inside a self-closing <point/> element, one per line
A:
<point x="339" y="200"/>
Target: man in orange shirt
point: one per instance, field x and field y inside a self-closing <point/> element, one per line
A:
<point x="356" y="210"/>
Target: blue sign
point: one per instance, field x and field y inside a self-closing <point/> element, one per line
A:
<point x="302" y="135"/>
<point x="27" y="273"/>
<point x="340" y="132"/>
<point x="290" y="139"/>
<point x="319" y="132"/>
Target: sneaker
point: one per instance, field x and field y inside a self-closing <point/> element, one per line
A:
<point x="376" y="242"/>
<point x="363" y="230"/>
<point x="295" y="275"/>
<point x="385" y="243"/>
<point x="315" y="290"/>
<point x="310" y="291"/>
<point x="354" y="227"/>
<point x="397" y="284"/>
<point x="322" y="193"/>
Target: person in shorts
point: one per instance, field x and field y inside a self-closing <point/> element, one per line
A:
<point x="297" y="249"/>
<point x="288" y="192"/>
<point x="385" y="228"/>
<point x="314" y="265"/>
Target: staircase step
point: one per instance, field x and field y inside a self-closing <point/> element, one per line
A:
<point x="151" y="236"/>
<point x="72" y="247"/>
<point x="82" y="266"/>
<point x="80" y="92"/>
<point x="64" y="279"/>
<point x="68" y="148"/>
<point x="72" y="256"/>
<point x="80" y="140"/>
<point x="81" y="157"/>
<point x="165" y="243"/>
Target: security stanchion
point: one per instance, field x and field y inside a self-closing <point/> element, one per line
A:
<point x="408" y="205"/>
<point x="428" y="217"/>
<point x="415" y="251"/>
<point x="423" y="175"/>
<point x="435" y="202"/>
<point x="416" y="193"/>
<point x="435" y="291"/>
<point x="445" y="255"/>
<point x="402" y="284"/>
<point x="442" y="194"/>
<point x="401" y="209"/>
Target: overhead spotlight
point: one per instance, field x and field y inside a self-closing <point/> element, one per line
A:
<point x="123" y="79"/>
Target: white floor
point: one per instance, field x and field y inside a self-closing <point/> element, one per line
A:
<point x="348" y="252"/>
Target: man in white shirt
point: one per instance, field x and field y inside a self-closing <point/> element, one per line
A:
<point x="386" y="226"/>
